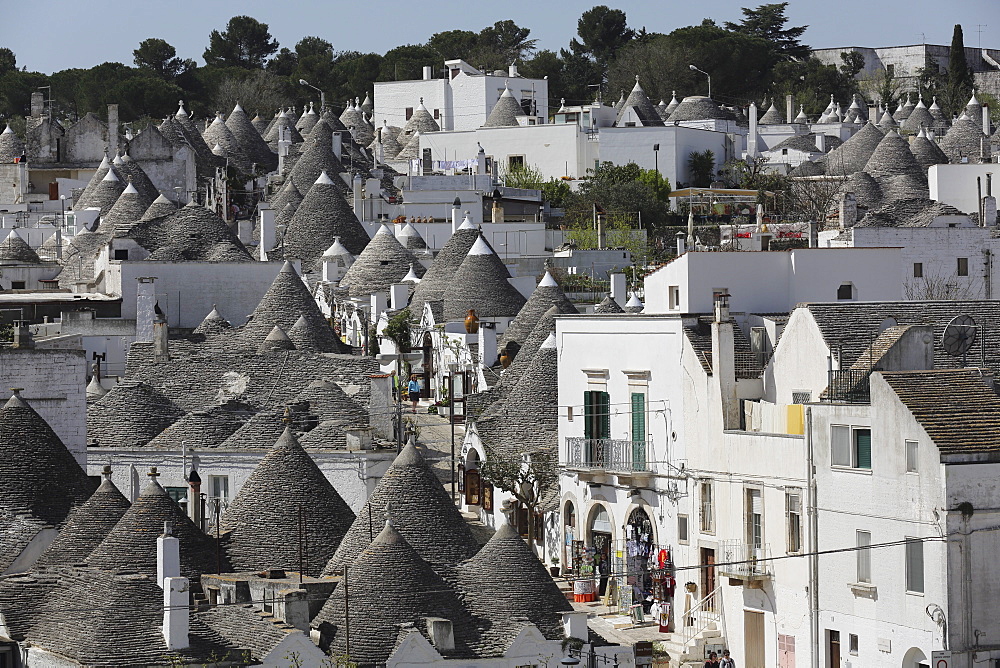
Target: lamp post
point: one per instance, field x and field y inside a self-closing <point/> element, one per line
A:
<point x="707" y="75"/>
<point x="453" y="369"/>
<point x="656" y="158"/>
<point x="62" y="224"/>
<point x="322" y="95"/>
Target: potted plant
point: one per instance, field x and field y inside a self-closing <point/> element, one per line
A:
<point x="554" y="568"/>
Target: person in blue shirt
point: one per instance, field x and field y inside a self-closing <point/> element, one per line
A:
<point x="413" y="390"/>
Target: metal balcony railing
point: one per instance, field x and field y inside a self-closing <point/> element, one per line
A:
<point x="745" y="561"/>
<point x="608" y="454"/>
<point x="849" y="385"/>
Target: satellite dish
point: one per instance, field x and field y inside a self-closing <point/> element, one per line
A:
<point x="959" y="335"/>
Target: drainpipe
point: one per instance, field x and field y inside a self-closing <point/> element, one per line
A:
<point x="813" y="544"/>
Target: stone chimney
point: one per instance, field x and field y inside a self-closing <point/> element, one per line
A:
<point x="194" y="498"/>
<point x="22" y="335"/>
<point x="789" y="107"/>
<point x="112" y="128"/>
<point x="161" y="341"/>
<point x="145" y="309"/>
<point x="618" y="284"/>
<point x="37" y="104"/>
<point x="168" y="555"/>
<point x="752" y="134"/>
<point x="441" y="632"/>
<point x="176" y="613"/>
<point x="848" y="210"/>
<point x="399" y="295"/>
<point x="724" y="361"/>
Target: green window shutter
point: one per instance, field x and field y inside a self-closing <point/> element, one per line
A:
<point x="638" y="416"/>
<point x="604" y="414"/>
<point x="863" y="448"/>
<point x="588" y="414"/>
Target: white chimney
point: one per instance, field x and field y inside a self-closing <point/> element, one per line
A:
<point x="456" y="214"/>
<point x="442" y="633"/>
<point x="145" y="306"/>
<point x="176" y="612"/>
<point x="752" y="134"/>
<point x="512" y="70"/>
<point x="168" y="555"/>
<point x="986" y="119"/>
<point x="618" y="289"/>
<point x="268" y="240"/>
<point x="428" y="72"/>
<point x="379" y="305"/>
<point x="161" y="339"/>
<point x="821" y="142"/>
<point x="680" y="244"/>
<point x="399" y="295"/>
<point x="575" y="625"/>
<point x="487" y="343"/>
<point x="337" y="145"/>
<point x="724" y="362"/>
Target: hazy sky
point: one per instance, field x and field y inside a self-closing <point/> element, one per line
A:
<point x="52" y="35"/>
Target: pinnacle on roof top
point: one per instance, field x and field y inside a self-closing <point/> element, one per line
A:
<point x="324" y="179"/>
<point x="467" y="223"/>
<point x="481" y="247"/>
<point x="181" y="111"/>
<point x="130" y="190"/>
<point x="337" y="249"/>
<point x="384" y="229"/>
<point x="547" y="281"/>
<point x="411" y="275"/>
<point x="549" y="342"/>
<point x="110" y="176"/>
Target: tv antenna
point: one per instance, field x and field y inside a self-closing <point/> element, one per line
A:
<point x="959" y="336"/>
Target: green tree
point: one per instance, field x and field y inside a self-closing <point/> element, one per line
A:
<point x="527" y="478"/>
<point x="851" y="63"/>
<point x="580" y="80"/>
<point x="602" y="32"/>
<point x="160" y="58"/>
<point x="811" y="83"/>
<point x="406" y="62"/>
<point x="769" y="22"/>
<point x="881" y="85"/>
<point x="556" y="192"/>
<point x="258" y="90"/>
<point x="284" y="63"/>
<point x="506" y="42"/>
<point x="8" y="61"/>
<point x="701" y="165"/>
<point x="245" y="43"/>
<point x="452" y="44"/>
<point x="658" y="184"/>
<point x="960" y="81"/>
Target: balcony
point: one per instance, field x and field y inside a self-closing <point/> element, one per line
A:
<point x="744" y="563"/>
<point x="623" y="458"/>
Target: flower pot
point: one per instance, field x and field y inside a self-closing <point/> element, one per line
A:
<point x="504" y="358"/>
<point x="472" y="322"/>
<point x="554" y="571"/>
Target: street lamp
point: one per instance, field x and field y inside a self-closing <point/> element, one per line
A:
<point x="656" y="158"/>
<point x="707" y="75"/>
<point x="322" y="95"/>
<point x="62" y="224"/>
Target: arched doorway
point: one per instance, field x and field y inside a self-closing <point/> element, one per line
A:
<point x="915" y="658"/>
<point x="601" y="532"/>
<point x="428" y="362"/>
<point x="639" y="544"/>
<point x="569" y="535"/>
<point x="472" y="484"/>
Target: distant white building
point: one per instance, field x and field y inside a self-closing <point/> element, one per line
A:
<point x="903" y="62"/>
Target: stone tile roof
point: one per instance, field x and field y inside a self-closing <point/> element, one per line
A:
<point x="644" y="109"/>
<point x="206" y="428"/>
<point x="892" y="157"/>
<point x="390" y="584"/>
<point x="505" y="112"/>
<point x="87" y="526"/>
<point x="481" y="283"/>
<point x="282" y="304"/>
<point x="275" y="341"/>
<point x="411" y="239"/>
<point x="697" y="108"/>
<point x="307" y="121"/>
<point x="608" y="305"/>
<point x="546" y="295"/>
<point x="505" y="581"/>
<point x="190" y="233"/>
<point x="956" y="408"/>
<point x="772" y="116"/>
<point x="218" y="134"/>
<point x="383" y="261"/>
<point x="249" y="141"/>
<point x="38" y="475"/>
<point x="184" y="127"/>
<point x="136" y="175"/>
<point x="807" y="143"/>
<point x="130" y="415"/>
<point x="260" y="125"/>
<point x="808" y="168"/>
<point x="545" y="325"/>
<point x="130" y="207"/>
<point x="390" y="147"/>
<point x="102" y="171"/>
<point x="351" y="115"/>
<point x="853" y="154"/>
<point x="103" y="195"/>
<point x="411" y="150"/>
<point x="317" y="158"/>
<point x="262" y="524"/>
<point x="698" y="332"/>
<point x="421" y="121"/>
<point x="131" y="545"/>
<point x="160" y="207"/>
<point x="865" y="188"/>
<point x="288" y="195"/>
<point x="421" y="511"/>
<point x="919" y="118"/>
<point x="917" y="212"/>
<point x="213" y="324"/>
<point x="964" y="139"/>
<point x="11" y="146"/>
<point x="926" y="152"/>
<point x="851" y="327"/>
<point x="281" y="122"/>
<point x="16" y="250"/>
<point x="247" y="627"/>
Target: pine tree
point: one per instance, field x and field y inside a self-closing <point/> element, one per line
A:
<point x="960" y="80"/>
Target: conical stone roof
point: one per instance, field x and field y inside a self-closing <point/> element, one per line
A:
<point x="322" y="216"/>
<point x="199" y="429"/>
<point x="38" y="475"/>
<point x="634" y="305"/>
<point x="15" y="250"/>
<point x="697" y="108"/>
<point x="249" y="141"/>
<point x="95" y="390"/>
<point x="671" y="106"/>
<point x="546" y="295"/>
<point x="87" y="526"/>
<point x="130" y="415"/>
<point x="282" y="122"/>
<point x="160" y="207"/>
<point x="964" y="139"/>
<point x="389" y="585"/>
<point x="134" y="174"/>
<point x="412" y="149"/>
<point x="421" y="510"/>
<point x="213" y="324"/>
<point x="288" y="195"/>
<point x="926" y="152"/>
<point x="936" y="113"/>
<point x="974" y="109"/>
<point x="260" y="125"/>
<point x="421" y="121"/>
<point x="411" y="239"/>
<point x="644" y="109"/>
<point x="262" y="522"/>
<point x="390" y="147"/>
<point x="102" y="171"/>
<point x="438" y="278"/>
<point x="608" y="305"/>
<point x="192" y="232"/>
<point x="282" y="304"/>
<point x="892" y="157"/>
<point x="11" y="146"/>
<point x="918" y="118"/>
<point x="772" y="116"/>
<point x="131" y="544"/>
<point x="853" y="154"/>
<point x="317" y="158"/>
<point x="219" y="134"/>
<point x="351" y="115"/>
<point x="130" y="207"/>
<point x="367" y="107"/>
<point x="104" y="195"/>
<point x="307" y="121"/>
<point x="505" y="581"/>
<point x="481" y="284"/>
<point x="505" y="112"/>
<point x="383" y="262"/>
<point x="865" y="189"/>
<point x="275" y="341"/>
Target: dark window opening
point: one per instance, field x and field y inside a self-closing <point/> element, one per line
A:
<point x="963" y="266"/>
<point x="515" y="162"/>
<point x="437" y="114"/>
<point x="918" y="270"/>
<point x="121" y="253"/>
<point x="409" y="113"/>
<point x="845" y="291"/>
<point x="17" y="285"/>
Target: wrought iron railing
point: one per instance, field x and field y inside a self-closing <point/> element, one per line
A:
<point x="608" y="454"/>
<point x="703" y="614"/>
<point x="745" y="561"/>
<point x="849" y="385"/>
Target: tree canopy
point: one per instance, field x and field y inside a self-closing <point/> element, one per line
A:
<point x="769" y="22"/>
<point x="244" y="43"/>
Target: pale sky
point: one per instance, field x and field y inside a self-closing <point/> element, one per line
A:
<point x="52" y="35"/>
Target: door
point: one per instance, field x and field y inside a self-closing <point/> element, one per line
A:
<point x="428" y="363"/>
<point x="833" y="654"/>
<point x="708" y="582"/>
<point x="753" y="639"/>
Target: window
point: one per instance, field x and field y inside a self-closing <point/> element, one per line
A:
<point x="852" y="643"/>
<point x="851" y="447"/>
<point x="121" y="253"/>
<point x="17" y="285"/>
<point x="914" y="565"/>
<point x="218" y="486"/>
<point x="515" y="162"/>
<point x="409" y="113"/>
<point x="674" y="295"/>
<point x="639" y="417"/>
<point x="918" y="270"/>
<point x="793" y="512"/>
<point x="755" y="519"/>
<point x="682" y="529"/>
<point x="963" y="266"/>
<point x="911" y="456"/>
<point x="437" y="114"/>
<point x="178" y="494"/>
<point x="845" y="292"/>
<point x="864" y="556"/>
<point x="890" y="70"/>
<point x="801" y="396"/>
<point x="707" y="511"/>
<point x="596" y="414"/>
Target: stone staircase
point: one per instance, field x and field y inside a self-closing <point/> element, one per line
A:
<point x="692" y="653"/>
